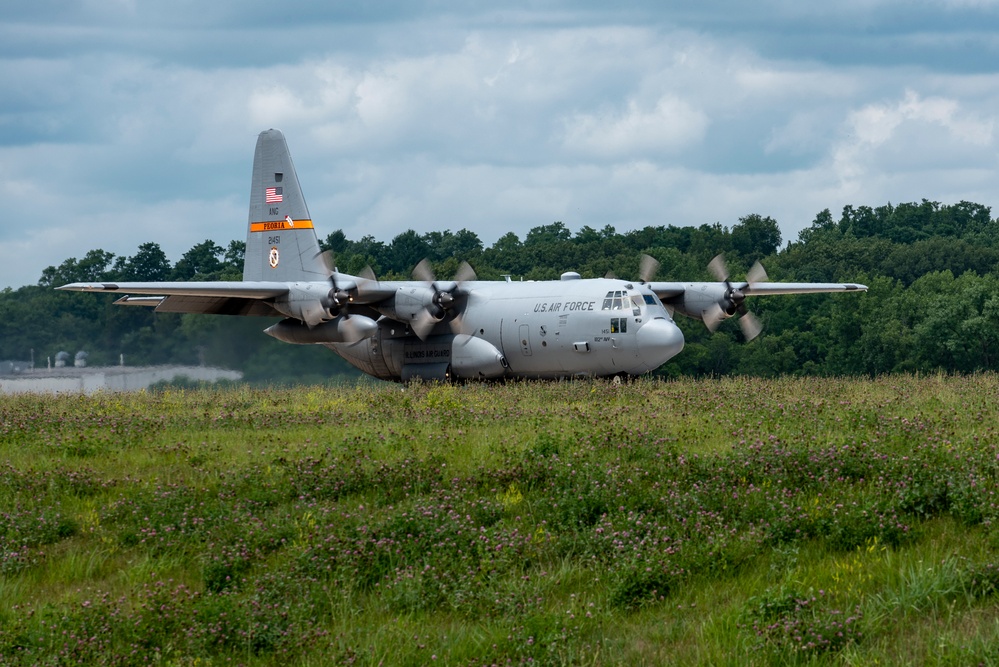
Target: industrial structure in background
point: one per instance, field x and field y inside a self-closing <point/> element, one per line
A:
<point x="61" y="376"/>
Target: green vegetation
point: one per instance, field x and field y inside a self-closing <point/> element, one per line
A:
<point x="736" y="521"/>
<point x="933" y="271"/>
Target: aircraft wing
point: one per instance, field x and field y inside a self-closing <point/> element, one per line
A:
<point x="245" y="290"/>
<point x="666" y="291"/>
<point x="255" y="298"/>
<point x="716" y="301"/>
<point x="669" y="290"/>
<point x="768" y="289"/>
<point x="224" y="298"/>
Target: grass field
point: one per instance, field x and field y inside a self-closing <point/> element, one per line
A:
<point x="734" y="521"/>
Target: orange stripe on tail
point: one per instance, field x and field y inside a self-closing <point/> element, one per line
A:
<point x="279" y="225"/>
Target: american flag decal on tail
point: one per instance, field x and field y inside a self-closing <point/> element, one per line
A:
<point x="273" y="195"/>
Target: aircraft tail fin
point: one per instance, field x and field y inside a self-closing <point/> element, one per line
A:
<point x="281" y="243"/>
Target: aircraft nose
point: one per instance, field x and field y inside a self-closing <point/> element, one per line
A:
<point x="659" y="341"/>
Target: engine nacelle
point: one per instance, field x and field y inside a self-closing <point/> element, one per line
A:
<point x="309" y="302"/>
<point x="706" y="298"/>
<point x="338" y="330"/>
<point x="411" y="302"/>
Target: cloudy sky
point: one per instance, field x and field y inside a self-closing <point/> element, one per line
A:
<point x="127" y="121"/>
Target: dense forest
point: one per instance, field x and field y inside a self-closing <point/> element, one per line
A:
<point x="932" y="270"/>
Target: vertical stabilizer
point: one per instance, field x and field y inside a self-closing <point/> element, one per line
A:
<point x="281" y="244"/>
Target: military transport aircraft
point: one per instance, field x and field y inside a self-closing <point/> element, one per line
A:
<point x="459" y="329"/>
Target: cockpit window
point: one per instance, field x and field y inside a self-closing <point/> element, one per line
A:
<point x="621" y="300"/>
<point x="650" y="300"/>
<point x="616" y="300"/>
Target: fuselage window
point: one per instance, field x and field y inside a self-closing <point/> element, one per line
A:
<point x="619" y="325"/>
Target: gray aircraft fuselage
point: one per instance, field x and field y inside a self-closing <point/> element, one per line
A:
<point x="549" y="329"/>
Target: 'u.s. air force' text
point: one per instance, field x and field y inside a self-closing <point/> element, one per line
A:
<point x="564" y="306"/>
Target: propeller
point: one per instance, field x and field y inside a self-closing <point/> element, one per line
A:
<point x="647" y="268"/>
<point x="445" y="298"/>
<point x="337" y="298"/>
<point x="340" y="296"/>
<point x="734" y="300"/>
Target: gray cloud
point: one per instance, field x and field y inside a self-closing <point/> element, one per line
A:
<point x="126" y="122"/>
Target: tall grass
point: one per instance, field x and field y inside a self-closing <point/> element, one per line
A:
<point x="732" y="521"/>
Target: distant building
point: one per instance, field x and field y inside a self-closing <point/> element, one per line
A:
<point x="86" y="380"/>
<point x="14" y="367"/>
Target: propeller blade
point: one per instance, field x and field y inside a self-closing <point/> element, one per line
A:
<point x="456" y="324"/>
<point x="424" y="272"/>
<point x="610" y="275"/>
<point x="647" y="268"/>
<point x="718" y="268"/>
<point x="423" y="324"/>
<point x="368" y="274"/>
<point x="750" y="325"/>
<point x="713" y="316"/>
<point x="327" y="257"/>
<point x="465" y="273"/>
<point x="757" y="274"/>
<point x="368" y="280"/>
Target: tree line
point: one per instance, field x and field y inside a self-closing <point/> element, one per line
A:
<point x="932" y="269"/>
